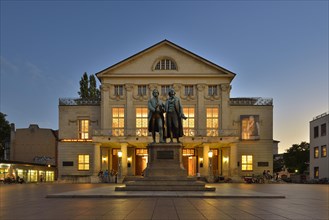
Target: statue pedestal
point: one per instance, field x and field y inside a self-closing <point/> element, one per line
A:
<point x="165" y="160"/>
<point x="165" y="172"/>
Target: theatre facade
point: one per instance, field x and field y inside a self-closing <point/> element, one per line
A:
<point x="112" y="134"/>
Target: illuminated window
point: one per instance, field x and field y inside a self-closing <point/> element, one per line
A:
<point x="141" y="151"/>
<point x="324" y="151"/>
<point x="188" y="124"/>
<point x="188" y="152"/>
<point x="249" y="127"/>
<point x="84" y="129"/>
<point x="165" y="90"/>
<point x="212" y="121"/>
<point x="118" y="121"/>
<point x="212" y="90"/>
<point x="316" y="172"/>
<point x="141" y="122"/>
<point x="246" y="164"/>
<point x="142" y="90"/>
<point x="83" y="162"/>
<point x="118" y="90"/>
<point x="166" y="64"/>
<point x="316" y="152"/>
<point x="189" y="90"/>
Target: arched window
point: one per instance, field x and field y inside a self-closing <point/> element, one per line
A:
<point x="165" y="64"/>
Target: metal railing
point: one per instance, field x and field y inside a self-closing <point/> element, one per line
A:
<point x="78" y="101"/>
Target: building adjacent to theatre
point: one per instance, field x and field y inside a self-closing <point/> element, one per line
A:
<point x="238" y="131"/>
<point x="319" y="139"/>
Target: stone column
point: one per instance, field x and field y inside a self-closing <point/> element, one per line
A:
<point x="201" y="111"/>
<point x="225" y="107"/>
<point x="124" y="170"/>
<point x="130" y="118"/>
<point x="105" y="103"/>
<point x="96" y="163"/>
<point x="205" y="160"/>
<point x="233" y="165"/>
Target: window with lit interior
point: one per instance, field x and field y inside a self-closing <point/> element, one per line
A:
<point x="118" y="121"/>
<point x="212" y="121"/>
<point x="188" y="124"/>
<point x="166" y="64"/>
<point x="323" y="150"/>
<point x="141" y="122"/>
<point x="246" y="163"/>
<point x="84" y="129"/>
<point x="83" y="162"/>
<point x="316" y="152"/>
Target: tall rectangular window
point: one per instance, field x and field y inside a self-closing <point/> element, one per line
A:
<point x="142" y="90"/>
<point x="83" y="162"/>
<point x="323" y="150"/>
<point x="316" y="152"/>
<point x="165" y="89"/>
<point x="84" y="129"/>
<point x="189" y="90"/>
<point x="249" y="127"/>
<point x="212" y="90"/>
<point x="118" y="90"/>
<point x="118" y="121"/>
<point x="212" y="121"/>
<point x="246" y="164"/>
<point x="141" y="122"/>
<point x="316" y="131"/>
<point x="188" y="124"/>
<point x="316" y="172"/>
<point x="323" y="130"/>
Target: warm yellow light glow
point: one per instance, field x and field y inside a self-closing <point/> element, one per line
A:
<point x="225" y="159"/>
<point x="210" y="153"/>
<point x="129" y="159"/>
<point x="296" y="171"/>
<point x="119" y="153"/>
<point x="104" y="159"/>
<point x="201" y="160"/>
<point x="76" y="140"/>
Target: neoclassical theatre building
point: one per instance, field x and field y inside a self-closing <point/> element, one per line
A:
<point x="111" y="133"/>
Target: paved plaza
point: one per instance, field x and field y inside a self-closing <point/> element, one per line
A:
<point x="99" y="201"/>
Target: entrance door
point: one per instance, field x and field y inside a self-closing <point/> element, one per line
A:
<point x="141" y="164"/>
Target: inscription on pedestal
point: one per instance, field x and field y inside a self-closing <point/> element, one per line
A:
<point x="165" y="154"/>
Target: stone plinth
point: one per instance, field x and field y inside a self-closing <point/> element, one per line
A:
<point x="165" y="172"/>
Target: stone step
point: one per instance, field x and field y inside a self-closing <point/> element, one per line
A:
<point x="165" y="183"/>
<point x="165" y="188"/>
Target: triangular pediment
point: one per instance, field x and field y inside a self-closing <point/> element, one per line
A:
<point x="144" y="63"/>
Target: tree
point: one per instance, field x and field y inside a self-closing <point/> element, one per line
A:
<point x="297" y="157"/>
<point x="4" y="133"/>
<point x="84" y="84"/>
<point x="88" y="87"/>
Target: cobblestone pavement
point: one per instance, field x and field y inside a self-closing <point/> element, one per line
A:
<point x="28" y="201"/>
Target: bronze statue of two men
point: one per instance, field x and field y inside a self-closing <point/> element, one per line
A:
<point x="174" y="115"/>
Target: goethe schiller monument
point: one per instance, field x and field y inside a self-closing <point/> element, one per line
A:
<point x="165" y="170"/>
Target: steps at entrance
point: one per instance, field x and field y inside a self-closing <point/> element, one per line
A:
<point x="164" y="184"/>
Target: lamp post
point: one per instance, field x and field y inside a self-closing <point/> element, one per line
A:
<point x="119" y="163"/>
<point x="210" y="154"/>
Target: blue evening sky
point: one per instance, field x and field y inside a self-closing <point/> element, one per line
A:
<point x="278" y="49"/>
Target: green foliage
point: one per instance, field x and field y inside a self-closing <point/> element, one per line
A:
<point x="88" y="87"/>
<point x="4" y="133"/>
<point x="297" y="157"/>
